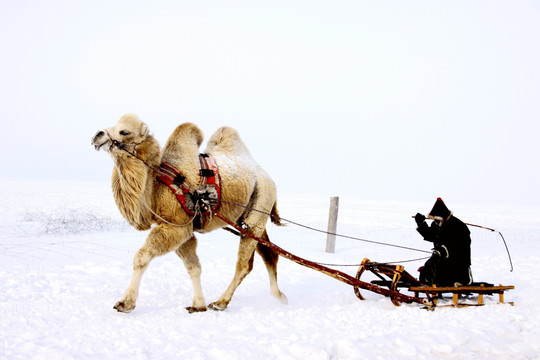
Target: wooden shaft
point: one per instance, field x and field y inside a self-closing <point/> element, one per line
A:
<point x="336" y="274"/>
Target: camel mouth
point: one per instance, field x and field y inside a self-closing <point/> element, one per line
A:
<point x="99" y="146"/>
<point x="100" y="140"/>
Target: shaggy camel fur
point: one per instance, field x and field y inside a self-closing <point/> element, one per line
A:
<point x="144" y="201"/>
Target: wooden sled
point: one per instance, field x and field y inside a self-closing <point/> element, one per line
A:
<point x="458" y="291"/>
<point x="395" y="277"/>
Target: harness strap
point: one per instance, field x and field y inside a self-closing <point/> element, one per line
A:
<point x="212" y="169"/>
<point x="208" y="171"/>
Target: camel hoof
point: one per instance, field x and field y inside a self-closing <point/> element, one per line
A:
<point x="124" y="307"/>
<point x="192" y="309"/>
<point x="282" y="298"/>
<point x="217" y="307"/>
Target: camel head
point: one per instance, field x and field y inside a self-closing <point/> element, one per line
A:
<point x="129" y="130"/>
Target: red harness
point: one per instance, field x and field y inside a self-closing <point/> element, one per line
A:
<point x="198" y="201"/>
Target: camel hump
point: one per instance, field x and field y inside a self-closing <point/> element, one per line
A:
<point x="187" y="131"/>
<point x="226" y="139"/>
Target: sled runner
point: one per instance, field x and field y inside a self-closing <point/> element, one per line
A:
<point x="458" y="292"/>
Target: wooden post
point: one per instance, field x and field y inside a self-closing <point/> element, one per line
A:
<point x="332" y="225"/>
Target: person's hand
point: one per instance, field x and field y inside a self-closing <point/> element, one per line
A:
<point x="419" y="218"/>
<point x="440" y="251"/>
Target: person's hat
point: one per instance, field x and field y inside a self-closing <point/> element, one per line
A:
<point x="439" y="211"/>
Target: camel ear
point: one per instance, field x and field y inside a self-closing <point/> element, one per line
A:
<point x="144" y="130"/>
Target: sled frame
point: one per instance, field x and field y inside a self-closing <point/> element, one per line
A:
<point x="391" y="276"/>
<point x="458" y="292"/>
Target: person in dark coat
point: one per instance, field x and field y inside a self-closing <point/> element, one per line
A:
<point x="450" y="262"/>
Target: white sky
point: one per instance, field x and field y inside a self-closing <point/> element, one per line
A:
<point x="401" y="100"/>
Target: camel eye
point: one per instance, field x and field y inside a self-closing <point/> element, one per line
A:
<point x="124" y="132"/>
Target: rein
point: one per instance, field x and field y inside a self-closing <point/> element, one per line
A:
<point x="327" y="232"/>
<point x="122" y="146"/>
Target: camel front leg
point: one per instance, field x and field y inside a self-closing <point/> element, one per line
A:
<point x="161" y="240"/>
<point x="140" y="264"/>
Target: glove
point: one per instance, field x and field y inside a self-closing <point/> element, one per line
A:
<point x="440" y="251"/>
<point x="419" y="218"/>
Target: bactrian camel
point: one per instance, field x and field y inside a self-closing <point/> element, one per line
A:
<point x="147" y="203"/>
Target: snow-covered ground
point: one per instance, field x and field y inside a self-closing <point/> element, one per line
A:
<point x="65" y="259"/>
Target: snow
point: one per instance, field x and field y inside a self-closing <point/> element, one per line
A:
<point x="65" y="259"/>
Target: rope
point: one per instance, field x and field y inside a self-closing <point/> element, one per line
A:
<point x="504" y="242"/>
<point x="197" y="211"/>
<point x="326" y="232"/>
<point x="378" y="263"/>
<point x="123" y="146"/>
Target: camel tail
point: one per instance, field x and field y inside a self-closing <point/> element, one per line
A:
<point x="274" y="216"/>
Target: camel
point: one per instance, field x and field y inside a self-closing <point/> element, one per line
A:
<point x="147" y="204"/>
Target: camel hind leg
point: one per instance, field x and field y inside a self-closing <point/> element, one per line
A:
<point x="187" y="252"/>
<point x="244" y="265"/>
<point x="270" y="258"/>
<point x="262" y="199"/>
